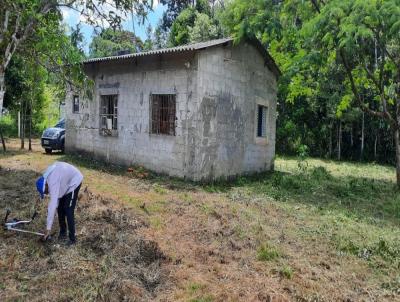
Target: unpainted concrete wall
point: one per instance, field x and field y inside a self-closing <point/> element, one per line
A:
<point x="232" y="81"/>
<point x="134" y="144"/>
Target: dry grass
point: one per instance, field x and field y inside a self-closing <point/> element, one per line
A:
<point x="219" y="239"/>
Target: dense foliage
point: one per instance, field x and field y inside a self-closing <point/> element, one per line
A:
<point x="111" y="42"/>
<point x="312" y="41"/>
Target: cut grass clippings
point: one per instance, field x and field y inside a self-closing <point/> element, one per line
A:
<point x="327" y="232"/>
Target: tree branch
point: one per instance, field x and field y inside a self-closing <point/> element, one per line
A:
<point x="5" y="25"/>
<point x="316" y="6"/>
<point x="385" y="115"/>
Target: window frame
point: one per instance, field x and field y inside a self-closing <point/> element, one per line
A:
<point x="74" y="109"/>
<point x="107" y="102"/>
<point x="163" y="118"/>
<point x="261" y="140"/>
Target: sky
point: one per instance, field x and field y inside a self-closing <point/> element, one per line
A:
<point x="72" y="18"/>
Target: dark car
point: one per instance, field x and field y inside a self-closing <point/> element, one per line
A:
<point x="54" y="138"/>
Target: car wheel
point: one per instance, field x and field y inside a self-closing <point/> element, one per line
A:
<point x="63" y="147"/>
<point x="48" y="151"/>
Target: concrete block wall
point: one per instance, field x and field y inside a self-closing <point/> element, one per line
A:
<point x="232" y="81"/>
<point x="134" y="143"/>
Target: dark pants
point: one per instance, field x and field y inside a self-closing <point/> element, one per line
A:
<point x="66" y="208"/>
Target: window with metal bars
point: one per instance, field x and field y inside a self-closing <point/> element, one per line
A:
<point x="75" y="105"/>
<point x="109" y="112"/>
<point x="163" y="113"/>
<point x="262" y="121"/>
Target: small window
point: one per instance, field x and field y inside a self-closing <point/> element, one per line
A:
<point x="262" y="112"/>
<point x="109" y="113"/>
<point x="163" y="112"/>
<point x="75" y="105"/>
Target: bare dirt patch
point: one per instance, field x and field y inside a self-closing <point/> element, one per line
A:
<point x="112" y="261"/>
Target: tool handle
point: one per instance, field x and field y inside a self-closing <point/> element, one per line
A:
<point x="34" y="215"/>
<point x="7" y="214"/>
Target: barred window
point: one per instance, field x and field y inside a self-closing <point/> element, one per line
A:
<point x="262" y="112"/>
<point x="109" y="112"/>
<point x="75" y="104"/>
<point x="163" y="112"/>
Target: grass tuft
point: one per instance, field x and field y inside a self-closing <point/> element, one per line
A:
<point x="267" y="253"/>
<point x="286" y="272"/>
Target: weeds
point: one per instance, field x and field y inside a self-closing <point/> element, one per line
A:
<point x="286" y="272"/>
<point x="267" y="253"/>
<point x="194" y="287"/>
<point x="202" y="299"/>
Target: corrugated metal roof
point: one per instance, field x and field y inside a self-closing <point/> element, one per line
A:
<point x="269" y="61"/>
<point x="189" y="47"/>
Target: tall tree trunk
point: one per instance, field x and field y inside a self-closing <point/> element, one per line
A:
<point x="376" y="145"/>
<point x="30" y="124"/>
<point x="2" y="87"/>
<point x="23" y="116"/>
<point x="2" y="92"/>
<point x="30" y="132"/>
<point x="330" y="140"/>
<point x="3" y="141"/>
<point x="339" y="143"/>
<point x="362" y="136"/>
<point x="397" y="145"/>
<point x="351" y="137"/>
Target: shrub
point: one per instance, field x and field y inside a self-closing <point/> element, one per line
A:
<point x="9" y="126"/>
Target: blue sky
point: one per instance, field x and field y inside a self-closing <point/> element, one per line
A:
<point x="72" y="18"/>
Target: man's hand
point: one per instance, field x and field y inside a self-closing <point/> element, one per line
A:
<point x="46" y="235"/>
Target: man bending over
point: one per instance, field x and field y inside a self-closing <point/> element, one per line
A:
<point x="62" y="182"/>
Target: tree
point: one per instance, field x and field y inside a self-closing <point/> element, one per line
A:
<point x="149" y="42"/>
<point x="110" y="42"/>
<point x="194" y="24"/>
<point x="174" y="8"/>
<point x="179" y="34"/>
<point x="314" y="89"/>
<point x="364" y="36"/>
<point x="203" y="29"/>
<point x="22" y="19"/>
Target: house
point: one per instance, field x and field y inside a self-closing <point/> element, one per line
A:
<point x="203" y="111"/>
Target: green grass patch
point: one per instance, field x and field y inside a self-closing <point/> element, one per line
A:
<point x="267" y="253"/>
<point x="193" y="288"/>
<point x="286" y="272"/>
<point x="202" y="299"/>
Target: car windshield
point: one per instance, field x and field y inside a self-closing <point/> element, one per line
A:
<point x="60" y="124"/>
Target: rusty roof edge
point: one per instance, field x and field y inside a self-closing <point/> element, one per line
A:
<point x="269" y="61"/>
<point x="188" y="47"/>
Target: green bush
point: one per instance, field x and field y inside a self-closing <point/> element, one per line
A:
<point x="9" y="126"/>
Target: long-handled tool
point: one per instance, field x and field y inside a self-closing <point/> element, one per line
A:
<point x="11" y="225"/>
